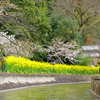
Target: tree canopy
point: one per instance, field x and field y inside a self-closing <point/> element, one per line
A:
<point x="85" y="12"/>
<point x="39" y="22"/>
<point x="27" y="19"/>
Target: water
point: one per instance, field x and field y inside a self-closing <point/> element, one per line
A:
<point x="77" y="91"/>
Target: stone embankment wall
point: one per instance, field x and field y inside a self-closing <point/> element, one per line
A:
<point x="95" y="85"/>
<point x="10" y="80"/>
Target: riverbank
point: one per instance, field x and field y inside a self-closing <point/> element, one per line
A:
<point x="14" y="81"/>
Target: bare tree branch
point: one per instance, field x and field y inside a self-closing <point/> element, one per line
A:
<point x="86" y="12"/>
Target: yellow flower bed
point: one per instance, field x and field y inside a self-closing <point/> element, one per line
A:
<point x="23" y="65"/>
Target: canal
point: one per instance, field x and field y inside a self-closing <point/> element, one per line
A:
<point x="76" y="91"/>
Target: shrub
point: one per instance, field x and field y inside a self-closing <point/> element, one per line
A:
<point x="61" y="52"/>
<point x="38" y="56"/>
<point x="84" y="61"/>
<point x="9" y="45"/>
<point x="39" y="53"/>
<point x="12" y="46"/>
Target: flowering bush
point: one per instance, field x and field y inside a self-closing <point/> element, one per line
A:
<point x="12" y="46"/>
<point x="63" y="53"/>
<point x="23" y="65"/>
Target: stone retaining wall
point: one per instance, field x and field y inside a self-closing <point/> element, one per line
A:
<point x="11" y="80"/>
<point x="95" y="84"/>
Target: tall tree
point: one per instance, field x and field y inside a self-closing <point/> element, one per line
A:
<point x="18" y="17"/>
<point x="66" y="29"/>
<point x="25" y="18"/>
<point x="44" y="28"/>
<point x="85" y="12"/>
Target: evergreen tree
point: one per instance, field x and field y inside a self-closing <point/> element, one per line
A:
<point x="26" y="19"/>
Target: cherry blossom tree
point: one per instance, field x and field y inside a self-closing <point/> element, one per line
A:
<point x="64" y="53"/>
<point x="12" y="46"/>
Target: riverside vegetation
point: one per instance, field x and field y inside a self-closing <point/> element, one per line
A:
<point x="48" y="31"/>
<point x="23" y="65"/>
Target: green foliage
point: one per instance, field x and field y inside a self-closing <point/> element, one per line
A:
<point x="79" y="39"/>
<point x="39" y="53"/>
<point x="44" y="29"/>
<point x="18" y="30"/>
<point x="43" y="11"/>
<point x="55" y="18"/>
<point x="65" y="28"/>
<point x="10" y="10"/>
<point x="83" y="61"/>
<point x="23" y="3"/>
<point x="39" y="56"/>
<point x="98" y="36"/>
<point x="28" y="10"/>
<point x="44" y="33"/>
<point x="22" y="15"/>
<point x="28" y="19"/>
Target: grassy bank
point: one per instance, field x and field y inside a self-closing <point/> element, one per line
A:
<point x="23" y="65"/>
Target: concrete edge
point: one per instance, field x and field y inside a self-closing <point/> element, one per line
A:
<point x="14" y="81"/>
